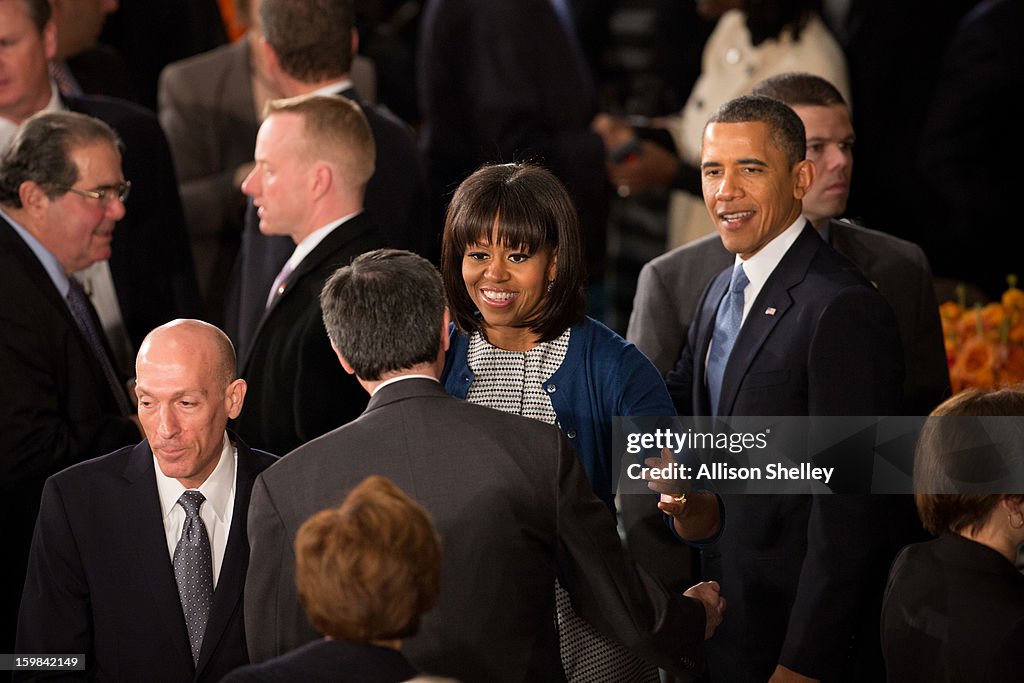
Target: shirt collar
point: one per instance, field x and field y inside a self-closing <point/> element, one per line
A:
<point x="8" y="128"/>
<point x="218" y="487"/>
<point x="310" y="242"/>
<point x="49" y="262"/>
<point x="334" y="87"/>
<point x="399" y="378"/>
<point x="760" y="266"/>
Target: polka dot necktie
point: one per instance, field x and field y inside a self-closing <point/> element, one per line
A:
<point x="193" y="570"/>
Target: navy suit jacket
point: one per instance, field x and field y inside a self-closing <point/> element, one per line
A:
<point x="150" y="261"/>
<point x="101" y="582"/>
<point x="804" y="573"/>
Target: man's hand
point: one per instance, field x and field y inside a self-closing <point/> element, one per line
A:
<point x="784" y="675"/>
<point x="714" y="604"/>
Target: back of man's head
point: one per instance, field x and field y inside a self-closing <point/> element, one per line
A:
<point x="311" y="38"/>
<point x="785" y="127"/>
<point x="335" y="130"/>
<point x="41" y="152"/>
<point x="798" y="88"/>
<point x="384" y="312"/>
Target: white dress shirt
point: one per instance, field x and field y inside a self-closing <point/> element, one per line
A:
<point x="216" y="511"/>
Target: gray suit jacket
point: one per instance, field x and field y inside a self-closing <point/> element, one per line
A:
<point x="207" y="112"/>
<point x="514" y="510"/>
<point x="670" y="286"/>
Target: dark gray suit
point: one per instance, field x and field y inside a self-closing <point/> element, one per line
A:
<point x="514" y="509"/>
<point x="670" y="285"/>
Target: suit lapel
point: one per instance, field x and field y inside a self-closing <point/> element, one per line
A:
<point x="228" y="595"/>
<point x="768" y="309"/>
<point x="146" y="525"/>
<point x="339" y="237"/>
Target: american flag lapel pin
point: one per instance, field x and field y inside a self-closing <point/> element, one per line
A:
<point x="770" y="310"/>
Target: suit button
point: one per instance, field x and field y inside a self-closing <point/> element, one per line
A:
<point x="551" y="388"/>
<point x="571" y="434"/>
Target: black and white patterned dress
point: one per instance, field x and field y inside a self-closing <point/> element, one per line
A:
<point x="513" y="382"/>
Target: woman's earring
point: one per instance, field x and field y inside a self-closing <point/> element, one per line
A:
<point x="551" y="285"/>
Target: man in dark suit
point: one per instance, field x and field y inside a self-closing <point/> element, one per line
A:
<point x="139" y="557"/>
<point x="308" y="49"/>
<point x="809" y="335"/>
<point x="314" y="156"/>
<point x="59" y="183"/>
<point x="670" y="285"/>
<point x="150" y="278"/>
<point x="508" y="81"/>
<point x="507" y="495"/>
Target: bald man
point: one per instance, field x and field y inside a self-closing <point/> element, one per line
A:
<point x="139" y="557"/>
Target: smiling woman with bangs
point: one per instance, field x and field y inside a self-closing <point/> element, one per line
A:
<point x="512" y="264"/>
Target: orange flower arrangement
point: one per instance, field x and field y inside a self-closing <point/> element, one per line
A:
<point x="985" y="344"/>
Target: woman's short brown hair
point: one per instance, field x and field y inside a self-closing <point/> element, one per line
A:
<point x="534" y="213"/>
<point x="943" y="441"/>
<point x="370" y="568"/>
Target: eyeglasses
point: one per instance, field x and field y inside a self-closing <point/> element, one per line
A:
<point x="105" y="194"/>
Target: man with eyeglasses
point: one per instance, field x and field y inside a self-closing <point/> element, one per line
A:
<point x="149" y="278"/>
<point x="61" y="193"/>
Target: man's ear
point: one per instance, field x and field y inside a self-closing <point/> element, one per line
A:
<point x="804" y="177"/>
<point x="269" y="58"/>
<point x="235" y="396"/>
<point x="50" y="39"/>
<point x="33" y="198"/>
<point x="341" y="359"/>
<point x="446" y="323"/>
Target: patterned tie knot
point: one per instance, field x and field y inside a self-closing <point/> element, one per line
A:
<point x="191" y="501"/>
<point x="739" y="280"/>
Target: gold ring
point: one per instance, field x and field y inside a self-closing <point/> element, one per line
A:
<point x="679" y="499"/>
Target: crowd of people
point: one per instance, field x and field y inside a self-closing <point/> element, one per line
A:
<point x="305" y="391"/>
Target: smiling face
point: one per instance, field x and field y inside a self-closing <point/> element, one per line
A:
<point x="830" y="140"/>
<point x="282" y="179"/>
<point x="508" y="286"/>
<point x="24" y="52"/>
<point x="76" y="229"/>
<point x="750" y="189"/>
<point x="185" y="400"/>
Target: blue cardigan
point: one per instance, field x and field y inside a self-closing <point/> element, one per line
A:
<point x="602" y="376"/>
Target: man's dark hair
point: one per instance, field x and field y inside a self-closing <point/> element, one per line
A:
<point x="384" y="312"/>
<point x="785" y="128"/>
<point x="39" y="11"/>
<point x="311" y="38"/>
<point x="41" y="151"/>
<point x="798" y="88"/>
